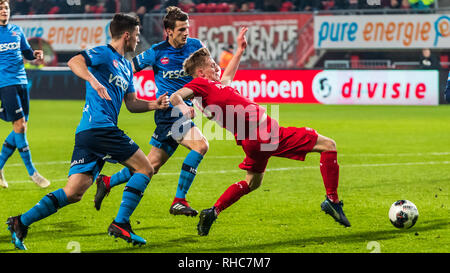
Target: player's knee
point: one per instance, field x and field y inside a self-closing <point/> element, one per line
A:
<point x="20" y="126"/>
<point x="202" y="146"/>
<point x="148" y="170"/>
<point x="253" y="185"/>
<point x="74" y="197"/>
<point x="330" y="145"/>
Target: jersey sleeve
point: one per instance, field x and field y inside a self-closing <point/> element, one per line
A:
<point x="198" y="86"/>
<point x="94" y="56"/>
<point x="145" y="59"/>
<point x="25" y="47"/>
<point x="131" y="88"/>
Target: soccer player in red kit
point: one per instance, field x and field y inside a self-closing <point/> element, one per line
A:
<point x="259" y="135"/>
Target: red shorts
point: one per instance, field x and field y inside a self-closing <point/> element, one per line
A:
<point x="291" y="142"/>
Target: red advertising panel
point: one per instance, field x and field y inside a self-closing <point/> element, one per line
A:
<point x="364" y="87"/>
<point x="274" y="40"/>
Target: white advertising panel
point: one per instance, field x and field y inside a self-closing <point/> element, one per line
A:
<point x="388" y="87"/>
<point x="382" y="31"/>
<point x="68" y="35"/>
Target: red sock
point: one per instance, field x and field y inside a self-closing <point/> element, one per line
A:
<point x="181" y="200"/>
<point x="231" y="195"/>
<point x="329" y="168"/>
<point x="106" y="180"/>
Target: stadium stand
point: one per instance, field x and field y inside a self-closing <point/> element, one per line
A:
<point x="29" y="7"/>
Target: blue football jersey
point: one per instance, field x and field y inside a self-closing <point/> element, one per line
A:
<point x="167" y="63"/>
<point x="115" y="73"/>
<point x="12" y="45"/>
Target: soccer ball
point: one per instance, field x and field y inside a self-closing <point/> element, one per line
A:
<point x="403" y="214"/>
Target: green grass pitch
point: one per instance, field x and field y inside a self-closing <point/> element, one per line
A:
<point x="386" y="153"/>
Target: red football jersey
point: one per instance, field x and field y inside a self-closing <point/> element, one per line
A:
<point x="229" y="108"/>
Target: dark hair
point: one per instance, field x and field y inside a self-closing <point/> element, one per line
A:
<point x="195" y="60"/>
<point x="173" y="15"/>
<point x="122" y="23"/>
<point x="4" y="1"/>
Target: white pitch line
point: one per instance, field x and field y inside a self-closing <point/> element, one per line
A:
<point x="237" y="170"/>
<point x="242" y="156"/>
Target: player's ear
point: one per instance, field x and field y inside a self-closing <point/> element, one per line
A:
<point x="168" y="32"/>
<point x="126" y="35"/>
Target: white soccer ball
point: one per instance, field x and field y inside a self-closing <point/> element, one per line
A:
<point x="403" y="214"/>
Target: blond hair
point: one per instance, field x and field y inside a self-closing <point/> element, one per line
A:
<point x="196" y="60"/>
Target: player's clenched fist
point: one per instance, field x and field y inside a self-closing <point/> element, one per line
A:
<point x="163" y="101"/>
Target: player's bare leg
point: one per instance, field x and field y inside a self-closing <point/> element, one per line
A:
<point x="329" y="168"/>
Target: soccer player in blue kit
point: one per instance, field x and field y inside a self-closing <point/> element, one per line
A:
<point x="109" y="80"/>
<point x="14" y="95"/>
<point x="167" y="59"/>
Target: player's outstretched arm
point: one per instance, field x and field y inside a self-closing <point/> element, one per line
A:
<point x="78" y="66"/>
<point x="135" y="105"/>
<point x="232" y="67"/>
<point x="177" y="100"/>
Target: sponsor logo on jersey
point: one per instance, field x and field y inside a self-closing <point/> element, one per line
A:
<point x="174" y="74"/>
<point x="76" y="162"/>
<point x="118" y="81"/>
<point x="116" y="64"/>
<point x="164" y="60"/>
<point x="9" y="46"/>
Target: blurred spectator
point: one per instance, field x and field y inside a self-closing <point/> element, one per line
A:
<point x="272" y="5"/>
<point x="429" y="60"/>
<point x="404" y="4"/>
<point x="233" y="7"/>
<point x="40" y="6"/>
<point x="421" y="4"/>
<point x="19" y="7"/>
<point x="309" y="5"/>
<point x="354" y="4"/>
<point x="395" y="4"/>
<point x="110" y="6"/>
<point x="340" y="4"/>
<point x="244" y="7"/>
<point x="225" y="57"/>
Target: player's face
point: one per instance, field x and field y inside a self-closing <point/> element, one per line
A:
<point x="178" y="36"/>
<point x="4" y="13"/>
<point x="211" y="71"/>
<point x="132" y="40"/>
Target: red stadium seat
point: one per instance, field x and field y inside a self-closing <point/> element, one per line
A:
<point x="211" y="7"/>
<point x="157" y="7"/>
<point x="223" y="7"/>
<point x="186" y="7"/>
<point x="200" y="7"/>
<point x="53" y="10"/>
<point x="327" y="4"/>
<point x="287" y="6"/>
<point x="99" y="9"/>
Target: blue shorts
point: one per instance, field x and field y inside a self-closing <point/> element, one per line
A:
<point x="95" y="146"/>
<point x="170" y="129"/>
<point x="15" y="101"/>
